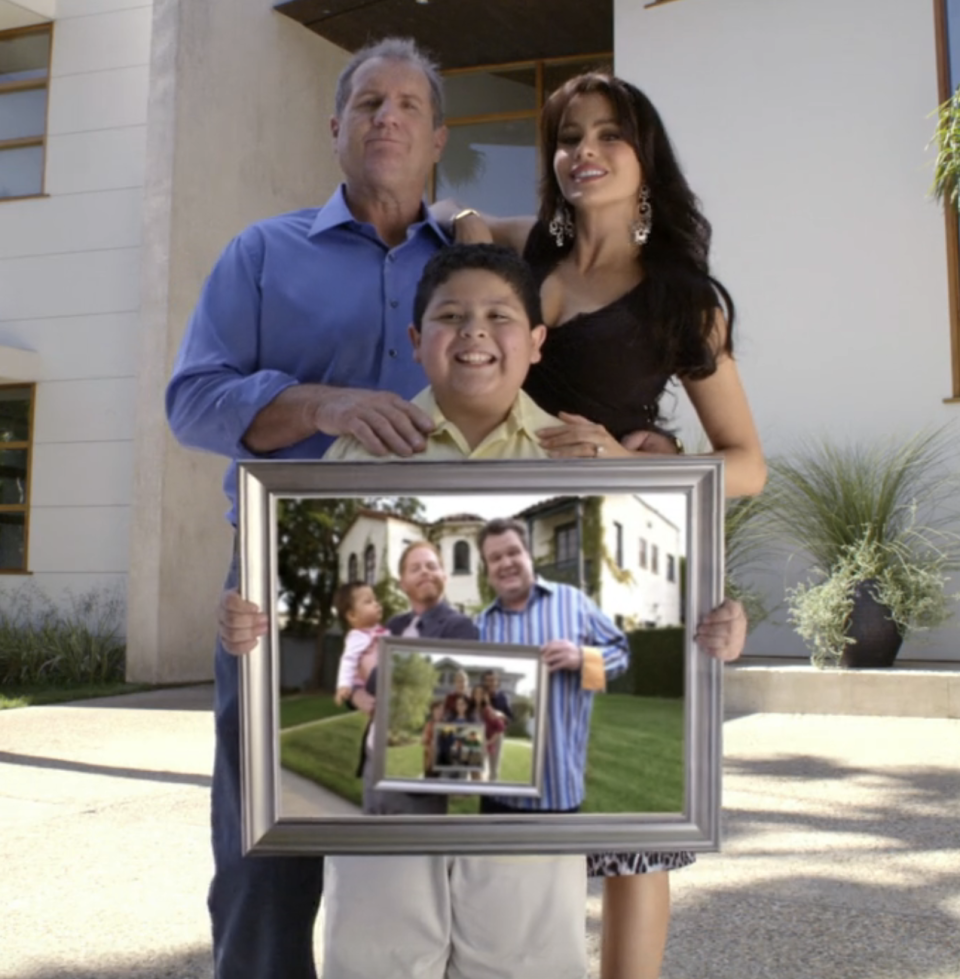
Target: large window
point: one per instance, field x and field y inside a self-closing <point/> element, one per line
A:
<point x="16" y="421"/>
<point x="24" y="74"/>
<point x="490" y="161"/>
<point x="566" y="543"/>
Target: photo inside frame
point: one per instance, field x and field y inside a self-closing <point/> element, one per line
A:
<point x="626" y="553"/>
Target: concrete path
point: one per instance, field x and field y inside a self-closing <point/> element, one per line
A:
<point x="841" y="860"/>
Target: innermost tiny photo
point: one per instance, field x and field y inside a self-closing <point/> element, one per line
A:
<point x="436" y="729"/>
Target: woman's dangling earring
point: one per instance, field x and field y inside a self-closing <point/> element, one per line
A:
<point x="640" y="229"/>
<point x="562" y="226"/>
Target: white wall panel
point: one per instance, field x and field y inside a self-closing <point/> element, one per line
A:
<point x="73" y="347"/>
<point x="100" y="160"/>
<point x="118" y="39"/>
<point x="84" y="8"/>
<point x="82" y="474"/>
<point x="84" y="411"/>
<point x="79" y="539"/>
<point x="98" y="100"/>
<point x="65" y="285"/>
<point x="76" y="222"/>
<point x="802" y="124"/>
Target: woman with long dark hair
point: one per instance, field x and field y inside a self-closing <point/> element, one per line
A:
<point x="620" y="251"/>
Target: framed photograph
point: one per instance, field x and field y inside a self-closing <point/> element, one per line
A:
<point x="631" y="753"/>
<point x="435" y="732"/>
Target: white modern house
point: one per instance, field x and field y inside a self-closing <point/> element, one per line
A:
<point x="627" y="558"/>
<point x="136" y="138"/>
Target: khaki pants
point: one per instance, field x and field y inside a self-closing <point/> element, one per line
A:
<point x="438" y="917"/>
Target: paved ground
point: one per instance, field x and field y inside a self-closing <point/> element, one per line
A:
<point x="841" y="861"/>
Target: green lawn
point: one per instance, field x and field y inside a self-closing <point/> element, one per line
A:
<point x="302" y="708"/>
<point x="34" y="696"/>
<point x="516" y="762"/>
<point x="634" y="759"/>
<point x="635" y="755"/>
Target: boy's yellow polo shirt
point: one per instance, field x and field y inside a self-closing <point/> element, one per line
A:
<point x="514" y="438"/>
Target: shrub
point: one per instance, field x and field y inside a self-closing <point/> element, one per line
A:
<point x="656" y="664"/>
<point x="78" y="641"/>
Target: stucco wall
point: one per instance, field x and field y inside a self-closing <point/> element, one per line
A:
<point x="69" y="290"/>
<point x="802" y="125"/>
<point x="240" y="100"/>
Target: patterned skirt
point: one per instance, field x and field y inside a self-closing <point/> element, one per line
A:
<point x="623" y="864"/>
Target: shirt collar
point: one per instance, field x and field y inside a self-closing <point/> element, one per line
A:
<point x="540" y="588"/>
<point x="525" y="415"/>
<point x="336" y="213"/>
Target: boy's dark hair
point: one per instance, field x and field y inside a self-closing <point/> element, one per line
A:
<point x="343" y="600"/>
<point x="502" y="262"/>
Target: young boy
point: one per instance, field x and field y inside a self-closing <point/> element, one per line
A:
<point x="476" y="330"/>
<point x="360" y="615"/>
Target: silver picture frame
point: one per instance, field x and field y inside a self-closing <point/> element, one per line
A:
<point x="695" y="825"/>
<point x="385" y="781"/>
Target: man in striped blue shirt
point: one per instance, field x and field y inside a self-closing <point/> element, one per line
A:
<point x="579" y="644"/>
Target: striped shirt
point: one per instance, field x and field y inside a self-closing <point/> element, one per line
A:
<point x="557" y="611"/>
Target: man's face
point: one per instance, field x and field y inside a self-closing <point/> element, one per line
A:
<point x="385" y="139"/>
<point x="475" y="343"/>
<point x="491" y="682"/>
<point x="422" y="578"/>
<point x="509" y="568"/>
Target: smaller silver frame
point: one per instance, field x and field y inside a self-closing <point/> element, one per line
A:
<point x="452" y="647"/>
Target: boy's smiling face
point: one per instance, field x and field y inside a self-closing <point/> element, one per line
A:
<point x="476" y="345"/>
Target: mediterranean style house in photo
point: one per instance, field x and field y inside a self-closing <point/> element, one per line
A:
<point x="629" y="564"/>
<point x="137" y="138"/>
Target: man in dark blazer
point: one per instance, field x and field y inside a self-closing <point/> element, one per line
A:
<point x="423" y="581"/>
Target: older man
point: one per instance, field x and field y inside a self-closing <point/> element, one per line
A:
<point x="299" y="336"/>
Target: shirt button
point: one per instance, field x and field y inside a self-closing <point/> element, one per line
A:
<point x="394" y="303"/>
<point x="392" y="352"/>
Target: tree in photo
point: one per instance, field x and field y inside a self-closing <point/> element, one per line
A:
<point x="413" y="678"/>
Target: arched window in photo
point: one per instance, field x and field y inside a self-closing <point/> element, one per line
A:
<point x="353" y="567"/>
<point x="461" y="557"/>
<point x="370" y="564"/>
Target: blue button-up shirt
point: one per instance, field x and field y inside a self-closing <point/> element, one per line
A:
<point x="557" y="611"/>
<point x="313" y="296"/>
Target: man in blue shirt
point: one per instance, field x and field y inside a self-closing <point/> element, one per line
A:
<point x="579" y="644"/>
<point x="299" y="336"/>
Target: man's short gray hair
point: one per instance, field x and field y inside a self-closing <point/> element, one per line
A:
<point x="392" y="49"/>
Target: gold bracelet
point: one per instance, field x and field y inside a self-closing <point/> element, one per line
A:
<point x="466" y="212"/>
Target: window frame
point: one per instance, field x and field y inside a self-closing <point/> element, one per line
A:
<point x="30" y="85"/>
<point x="654" y="559"/>
<point x="23" y="508"/>
<point x="951" y="219"/>
<point x="538" y="65"/>
<point x="369" y="565"/>
<point x="567" y="532"/>
<point x="462" y="546"/>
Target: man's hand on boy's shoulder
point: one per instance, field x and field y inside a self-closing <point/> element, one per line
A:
<point x="382" y="422"/>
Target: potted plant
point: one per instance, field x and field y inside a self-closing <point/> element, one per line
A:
<point x="876" y="522"/>
<point x="743" y="540"/>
